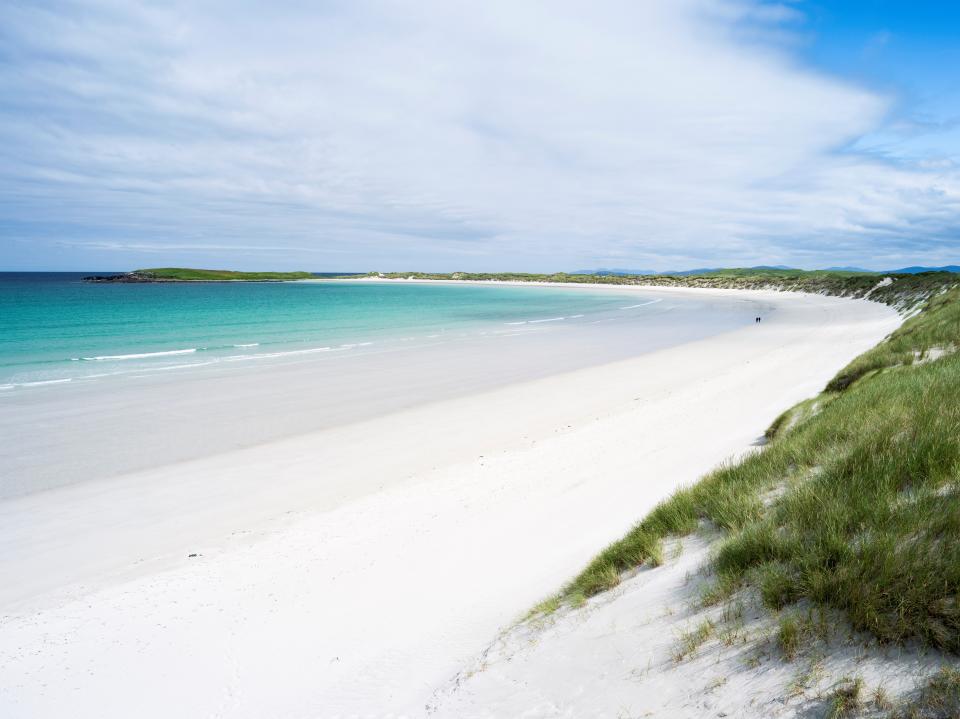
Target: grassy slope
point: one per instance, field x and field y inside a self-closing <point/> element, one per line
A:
<point x="187" y="274"/>
<point x="862" y="490"/>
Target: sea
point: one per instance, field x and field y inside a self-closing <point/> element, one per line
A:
<point x="104" y="380"/>
<point x="56" y="329"/>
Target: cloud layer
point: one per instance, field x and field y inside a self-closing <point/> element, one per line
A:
<point x="444" y="135"/>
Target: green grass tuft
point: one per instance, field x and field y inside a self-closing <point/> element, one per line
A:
<point x="676" y="516"/>
<point x="789" y="635"/>
<point x="845" y="699"/>
<point x="778" y="587"/>
<point x="690" y="642"/>
<point x="939" y="699"/>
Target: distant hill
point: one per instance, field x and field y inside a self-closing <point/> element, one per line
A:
<point x="616" y="271"/>
<point x="713" y="270"/>
<point x="606" y="272"/>
<point x="697" y="271"/>
<point x="917" y="269"/>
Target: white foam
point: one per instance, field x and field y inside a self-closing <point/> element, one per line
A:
<point x="180" y="366"/>
<point x="312" y="350"/>
<point x="267" y="355"/>
<point x="140" y="355"/>
<point x="642" y="304"/>
<point x="252" y="344"/>
<point x="46" y="381"/>
<point x="536" y="322"/>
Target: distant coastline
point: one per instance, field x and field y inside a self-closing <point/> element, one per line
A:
<point x="183" y="274"/>
<point x="903" y="290"/>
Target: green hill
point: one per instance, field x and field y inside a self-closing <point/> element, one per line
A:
<point x="186" y="274"/>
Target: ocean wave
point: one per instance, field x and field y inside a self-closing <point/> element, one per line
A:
<point x="536" y="322"/>
<point x="139" y="355"/>
<point x="189" y="365"/>
<point x="199" y="357"/>
<point x="642" y="304"/>
<point x="267" y="355"/>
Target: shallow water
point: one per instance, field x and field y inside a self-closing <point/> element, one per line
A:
<point x="55" y="328"/>
<point x="317" y="356"/>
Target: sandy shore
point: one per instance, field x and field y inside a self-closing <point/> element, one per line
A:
<point x="378" y="557"/>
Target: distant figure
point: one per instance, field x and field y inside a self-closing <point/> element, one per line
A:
<point x="757" y="319"/>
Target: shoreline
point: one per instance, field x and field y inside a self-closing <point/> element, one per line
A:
<point x="606" y="286"/>
<point x="203" y="409"/>
<point x="382" y="579"/>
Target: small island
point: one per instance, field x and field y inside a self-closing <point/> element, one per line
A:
<point x="183" y="274"/>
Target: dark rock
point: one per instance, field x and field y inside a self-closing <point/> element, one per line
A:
<point x="125" y="277"/>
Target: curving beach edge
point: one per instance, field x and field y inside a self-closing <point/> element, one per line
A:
<point x="367" y="591"/>
<point x="815" y="578"/>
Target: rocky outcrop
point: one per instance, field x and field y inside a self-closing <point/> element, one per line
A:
<point x="125" y="277"/>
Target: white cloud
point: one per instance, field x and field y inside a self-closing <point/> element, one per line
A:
<point x="443" y="134"/>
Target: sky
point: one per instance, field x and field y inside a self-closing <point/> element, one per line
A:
<point x="442" y="135"/>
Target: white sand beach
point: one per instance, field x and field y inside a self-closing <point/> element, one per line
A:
<point x="355" y="570"/>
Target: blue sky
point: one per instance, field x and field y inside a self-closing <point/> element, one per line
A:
<point x="376" y="134"/>
<point x="908" y="50"/>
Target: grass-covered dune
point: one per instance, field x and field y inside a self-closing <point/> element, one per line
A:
<point x="853" y="506"/>
<point x="185" y="274"/>
<point x="899" y="290"/>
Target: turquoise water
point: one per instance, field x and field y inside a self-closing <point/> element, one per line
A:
<point x="100" y="380"/>
<point x="56" y="329"/>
